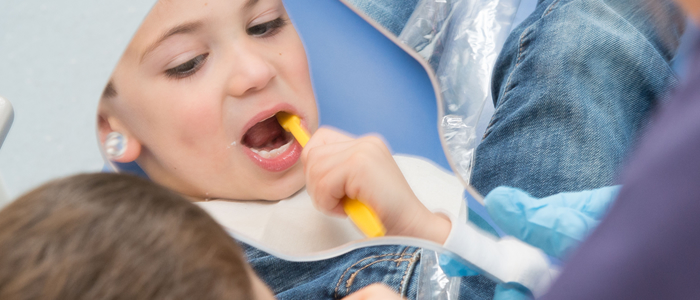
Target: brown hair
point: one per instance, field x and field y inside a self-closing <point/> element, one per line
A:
<point x="113" y="236"/>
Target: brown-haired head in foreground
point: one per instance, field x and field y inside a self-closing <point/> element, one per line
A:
<point x="112" y="236"/>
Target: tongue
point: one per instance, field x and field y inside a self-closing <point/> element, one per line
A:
<point x="264" y="134"/>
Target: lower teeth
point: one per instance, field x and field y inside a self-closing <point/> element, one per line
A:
<point x="273" y="152"/>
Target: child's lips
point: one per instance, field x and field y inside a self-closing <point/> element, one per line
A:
<point x="267" y="144"/>
<point x="282" y="161"/>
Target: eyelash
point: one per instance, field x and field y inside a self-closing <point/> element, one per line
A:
<point x="188" y="68"/>
<point x="271" y="28"/>
<point x="192" y="66"/>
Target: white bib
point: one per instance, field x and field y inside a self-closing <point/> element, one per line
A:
<point x="294" y="226"/>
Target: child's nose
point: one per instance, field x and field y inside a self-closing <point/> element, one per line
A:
<point x="251" y="73"/>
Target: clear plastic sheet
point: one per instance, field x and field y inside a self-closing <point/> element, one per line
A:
<point x="433" y="283"/>
<point x="461" y="40"/>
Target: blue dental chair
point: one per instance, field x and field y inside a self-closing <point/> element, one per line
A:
<point x="365" y="83"/>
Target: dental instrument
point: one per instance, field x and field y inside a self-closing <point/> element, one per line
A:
<point x="6" y="117"/>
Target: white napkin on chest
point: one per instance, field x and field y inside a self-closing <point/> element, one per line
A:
<point x="294" y="226"/>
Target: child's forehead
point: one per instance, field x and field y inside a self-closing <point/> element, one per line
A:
<point x="167" y="12"/>
<point x="168" y="15"/>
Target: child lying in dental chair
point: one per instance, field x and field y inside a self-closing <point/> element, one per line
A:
<point x="113" y="236"/>
<point x="193" y="100"/>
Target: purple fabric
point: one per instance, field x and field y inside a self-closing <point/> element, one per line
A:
<point x="648" y="247"/>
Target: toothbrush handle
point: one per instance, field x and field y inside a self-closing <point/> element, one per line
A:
<point x="364" y="217"/>
<point x="300" y="135"/>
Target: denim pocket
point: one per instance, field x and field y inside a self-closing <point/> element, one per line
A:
<point x="391" y="269"/>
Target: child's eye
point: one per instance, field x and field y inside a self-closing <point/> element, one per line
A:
<point x="188" y="68"/>
<point x="267" y="28"/>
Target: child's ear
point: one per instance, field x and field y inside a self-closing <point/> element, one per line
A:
<point x="107" y="124"/>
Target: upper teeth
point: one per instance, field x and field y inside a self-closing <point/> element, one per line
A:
<point x="273" y="152"/>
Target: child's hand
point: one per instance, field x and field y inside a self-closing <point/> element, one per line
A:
<point x="375" y="291"/>
<point x="337" y="165"/>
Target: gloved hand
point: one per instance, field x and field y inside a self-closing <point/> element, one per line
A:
<point x="555" y="224"/>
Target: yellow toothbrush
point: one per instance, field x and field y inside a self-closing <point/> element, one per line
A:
<point x="362" y="215"/>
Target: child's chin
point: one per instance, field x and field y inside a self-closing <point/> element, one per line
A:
<point x="281" y="194"/>
<point x="284" y="190"/>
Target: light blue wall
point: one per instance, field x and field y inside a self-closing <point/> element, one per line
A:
<point x="55" y="57"/>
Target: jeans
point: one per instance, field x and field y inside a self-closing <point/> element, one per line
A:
<point x="573" y="86"/>
<point x="391" y="14"/>
<point x="395" y="266"/>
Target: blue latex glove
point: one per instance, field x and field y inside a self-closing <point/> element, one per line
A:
<point x="555" y="224"/>
<point x="505" y="293"/>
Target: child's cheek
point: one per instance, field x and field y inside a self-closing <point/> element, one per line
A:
<point x="298" y="70"/>
<point x="198" y="122"/>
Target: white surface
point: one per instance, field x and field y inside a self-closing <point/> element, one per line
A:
<point x="55" y="57"/>
<point x="505" y="260"/>
<point x="294" y="227"/>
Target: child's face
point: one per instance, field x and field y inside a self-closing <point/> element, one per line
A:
<point x="193" y="88"/>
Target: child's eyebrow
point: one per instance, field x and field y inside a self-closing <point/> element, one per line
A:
<point x="187" y="28"/>
<point x="250" y="4"/>
<point x="180" y="29"/>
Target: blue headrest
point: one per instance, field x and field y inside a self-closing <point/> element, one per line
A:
<point x="364" y="82"/>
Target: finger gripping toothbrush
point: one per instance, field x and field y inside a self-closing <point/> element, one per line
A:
<point x="362" y="215"/>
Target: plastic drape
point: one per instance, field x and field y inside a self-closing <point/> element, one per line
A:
<point x="461" y="40"/>
<point x="433" y="283"/>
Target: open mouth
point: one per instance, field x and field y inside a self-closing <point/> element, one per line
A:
<point x="267" y="138"/>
